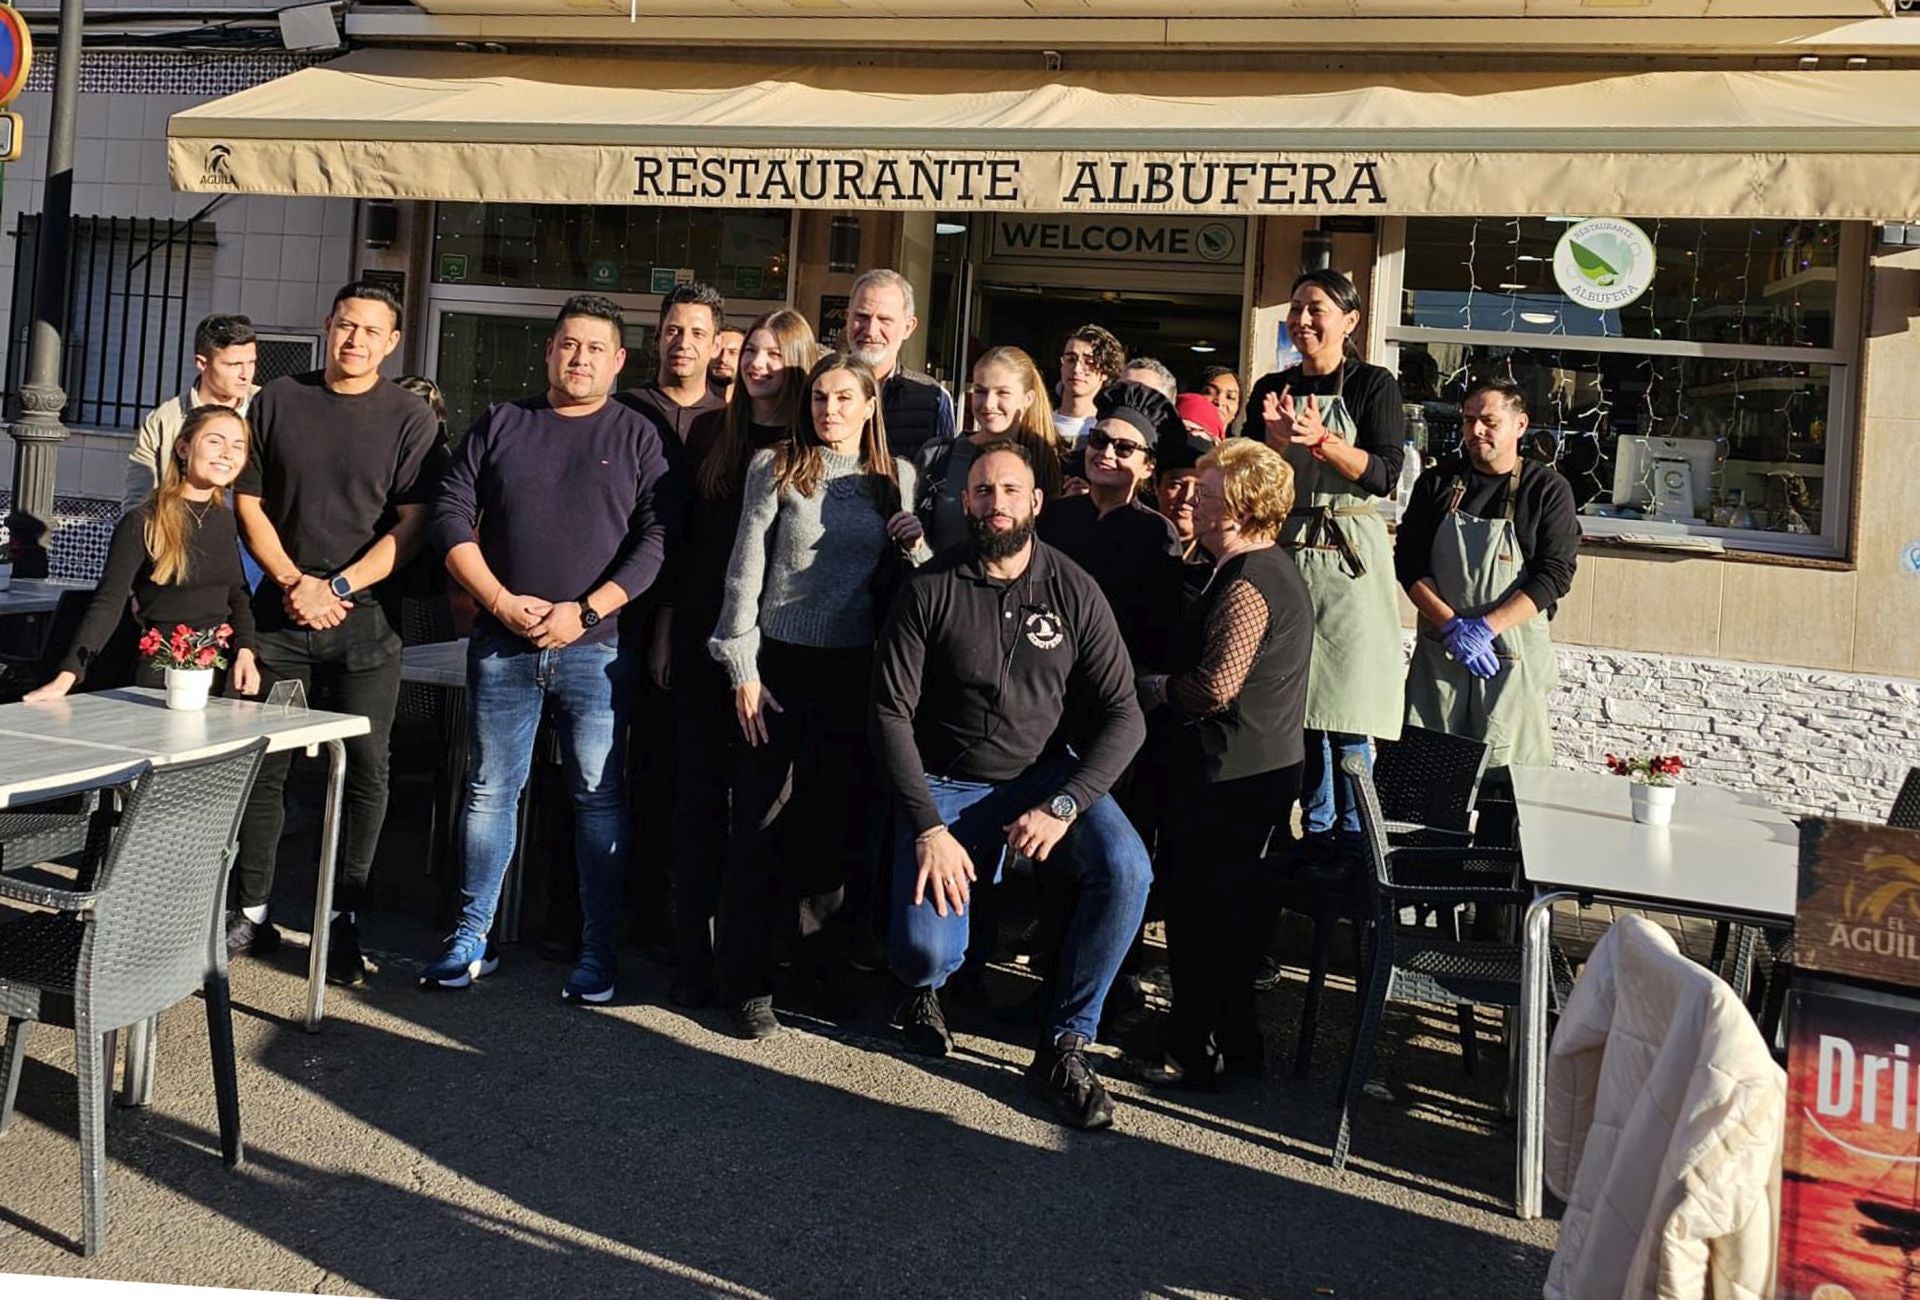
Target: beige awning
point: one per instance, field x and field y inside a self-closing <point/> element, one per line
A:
<point x="554" y="129"/>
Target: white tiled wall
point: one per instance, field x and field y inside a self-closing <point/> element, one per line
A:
<point x="277" y="260"/>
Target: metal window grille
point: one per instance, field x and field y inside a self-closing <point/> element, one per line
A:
<point x="137" y="286"/>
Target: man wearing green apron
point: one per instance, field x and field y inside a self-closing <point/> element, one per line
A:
<point x="1486" y="547"/>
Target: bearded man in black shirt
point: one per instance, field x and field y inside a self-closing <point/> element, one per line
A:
<point x="332" y="502"/>
<point x="987" y="650"/>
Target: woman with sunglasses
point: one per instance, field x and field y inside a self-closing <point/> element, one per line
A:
<point x="1131" y="552"/>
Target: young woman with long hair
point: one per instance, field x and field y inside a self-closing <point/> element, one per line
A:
<point x="177" y="555"/>
<point x="1009" y="400"/>
<point x="821" y="526"/>
<point x="769" y="399"/>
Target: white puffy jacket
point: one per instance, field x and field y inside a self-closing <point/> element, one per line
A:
<point x="1665" y="1116"/>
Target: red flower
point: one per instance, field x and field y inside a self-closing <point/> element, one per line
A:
<point x="221" y="633"/>
<point x="205" y="656"/>
<point x="150" y="642"/>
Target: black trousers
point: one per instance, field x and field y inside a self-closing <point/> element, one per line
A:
<point x="1222" y="899"/>
<point x="797" y="862"/>
<point x="708" y="745"/>
<point x="352" y="668"/>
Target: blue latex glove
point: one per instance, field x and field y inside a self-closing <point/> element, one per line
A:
<point x="1470" y="643"/>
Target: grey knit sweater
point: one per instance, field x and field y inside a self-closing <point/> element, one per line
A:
<point x="803" y="567"/>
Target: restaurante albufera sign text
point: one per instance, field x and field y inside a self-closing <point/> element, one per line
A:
<point x="1062" y="183"/>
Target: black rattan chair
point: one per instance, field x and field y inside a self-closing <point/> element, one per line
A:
<point x="145" y="936"/>
<point x="1906" y="805"/>
<point x="48" y="831"/>
<point x="1413" y="965"/>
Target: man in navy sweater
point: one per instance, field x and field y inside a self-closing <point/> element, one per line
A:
<point x="554" y="516"/>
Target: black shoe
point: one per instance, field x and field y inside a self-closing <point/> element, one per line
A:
<point x="1268" y="974"/>
<point x="922" y="1024"/>
<point x="690" y="989"/>
<point x="255" y="938"/>
<point x="754" y="1019"/>
<point x="345" y="965"/>
<point x="1062" y="1078"/>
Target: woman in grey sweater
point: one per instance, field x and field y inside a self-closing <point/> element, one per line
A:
<point x="822" y="530"/>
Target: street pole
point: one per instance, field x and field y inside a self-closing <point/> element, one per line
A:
<point x="37" y="435"/>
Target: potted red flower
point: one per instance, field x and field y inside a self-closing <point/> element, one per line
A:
<point x="189" y="658"/>
<point x="1656" y="779"/>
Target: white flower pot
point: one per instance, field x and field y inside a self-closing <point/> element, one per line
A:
<point x="1653" y="804"/>
<point x="187" y="688"/>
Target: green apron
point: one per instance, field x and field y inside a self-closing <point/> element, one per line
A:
<point x="1356" y="679"/>
<point x="1476" y="565"/>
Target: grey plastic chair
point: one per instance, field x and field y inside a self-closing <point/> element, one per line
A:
<point x="54" y="830"/>
<point x="1410" y="965"/>
<point x="145" y="936"/>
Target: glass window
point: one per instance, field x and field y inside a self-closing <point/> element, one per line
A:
<point x="488" y="357"/>
<point x="1715" y="404"/>
<point x="612" y="249"/>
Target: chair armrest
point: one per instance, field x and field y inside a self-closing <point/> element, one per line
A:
<point x="65" y="900"/>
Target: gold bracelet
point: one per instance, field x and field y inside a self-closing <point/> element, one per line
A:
<point x="928" y="834"/>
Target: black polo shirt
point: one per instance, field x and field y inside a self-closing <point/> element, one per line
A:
<point x="973" y="676"/>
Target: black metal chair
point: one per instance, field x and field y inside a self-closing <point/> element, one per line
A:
<point x="145" y="936"/>
<point x="1905" y="813"/>
<point x="1427" y="782"/>
<point x="1411" y="965"/>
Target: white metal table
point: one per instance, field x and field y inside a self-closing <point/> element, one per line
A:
<point x="1728" y="856"/>
<point x="37" y="595"/>
<point x="59" y="746"/>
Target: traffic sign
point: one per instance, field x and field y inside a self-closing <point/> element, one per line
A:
<point x="16" y="54"/>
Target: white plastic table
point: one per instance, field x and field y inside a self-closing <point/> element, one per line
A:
<point x="1728" y="856"/>
<point x="60" y="746"/>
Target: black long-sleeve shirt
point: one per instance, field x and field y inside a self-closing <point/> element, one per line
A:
<point x="973" y="676"/>
<point x="1371" y="395"/>
<point x="560" y="504"/>
<point x="214" y="592"/>
<point x="1133" y="555"/>
<point x="1544" y="519"/>
<point x="704" y="547"/>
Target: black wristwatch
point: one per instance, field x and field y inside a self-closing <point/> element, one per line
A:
<point x="1064" y="806"/>
<point x="340" y="587"/>
<point x="589" y="616"/>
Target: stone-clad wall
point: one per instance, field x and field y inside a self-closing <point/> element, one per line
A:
<point x="1813" y="742"/>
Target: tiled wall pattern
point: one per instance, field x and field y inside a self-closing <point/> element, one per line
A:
<point x="278" y="260"/>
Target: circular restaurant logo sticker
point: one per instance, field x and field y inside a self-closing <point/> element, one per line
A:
<point x="1604" y="263"/>
<point x="1215" y="242"/>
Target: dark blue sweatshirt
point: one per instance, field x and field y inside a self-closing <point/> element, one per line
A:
<point x="560" y="504"/>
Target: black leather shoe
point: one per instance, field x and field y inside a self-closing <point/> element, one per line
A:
<point x="754" y="1019"/>
<point x="922" y="1024"/>
<point x="345" y="965"/>
<point x="254" y="938"/>
<point x="1061" y="1076"/>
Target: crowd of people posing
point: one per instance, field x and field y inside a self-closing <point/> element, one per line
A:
<point x="888" y="654"/>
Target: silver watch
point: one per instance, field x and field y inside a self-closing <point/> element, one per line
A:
<point x="1064" y="806"/>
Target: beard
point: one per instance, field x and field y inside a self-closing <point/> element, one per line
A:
<point x="990" y="543"/>
<point x="869" y="356"/>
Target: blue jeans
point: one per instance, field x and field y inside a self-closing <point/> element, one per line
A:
<point x="1327" y="802"/>
<point x="1101" y="851"/>
<point x="508" y="682"/>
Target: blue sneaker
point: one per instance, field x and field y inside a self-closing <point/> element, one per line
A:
<point x="466" y="959"/>
<point x="591" y="981"/>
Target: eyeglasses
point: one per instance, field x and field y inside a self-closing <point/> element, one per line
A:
<point x="1122" y="447"/>
<point x="1071" y="360"/>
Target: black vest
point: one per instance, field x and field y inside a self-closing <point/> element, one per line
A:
<point x="910" y="404"/>
<point x="1260" y="731"/>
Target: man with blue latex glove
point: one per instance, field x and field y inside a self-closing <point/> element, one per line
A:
<point x="1486" y="546"/>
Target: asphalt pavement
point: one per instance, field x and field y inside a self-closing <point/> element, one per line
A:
<point x="495" y="1142"/>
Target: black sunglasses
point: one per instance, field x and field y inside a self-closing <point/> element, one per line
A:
<point x="1122" y="447"/>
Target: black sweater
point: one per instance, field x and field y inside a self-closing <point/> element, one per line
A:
<point x="1544" y="519"/>
<point x="1134" y="555"/>
<point x="1371" y="395"/>
<point x="215" y="591"/>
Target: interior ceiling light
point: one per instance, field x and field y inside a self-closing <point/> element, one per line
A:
<point x="948" y="228"/>
<point x="1512" y="288"/>
<point x="1538" y="317"/>
<point x="1202" y="346"/>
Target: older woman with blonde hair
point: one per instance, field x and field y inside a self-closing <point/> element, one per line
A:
<point x="1239" y="697"/>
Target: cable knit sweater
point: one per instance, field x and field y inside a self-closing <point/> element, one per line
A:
<point x="803" y="566"/>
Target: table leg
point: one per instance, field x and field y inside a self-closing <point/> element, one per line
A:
<point x="1535" y="939"/>
<point x="333" y="805"/>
